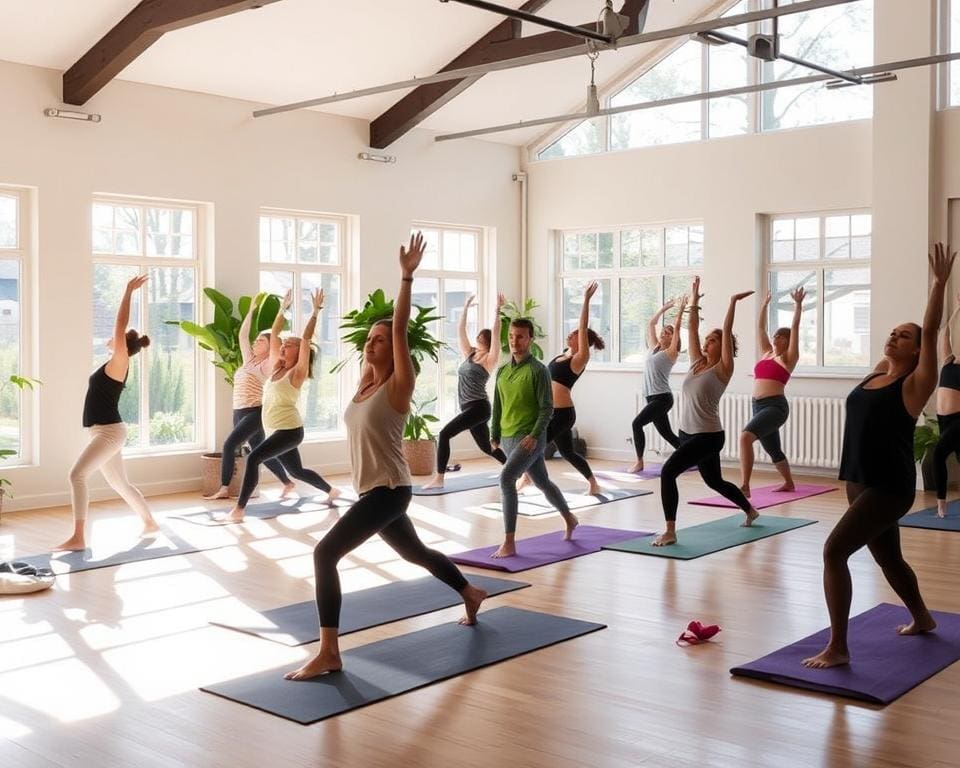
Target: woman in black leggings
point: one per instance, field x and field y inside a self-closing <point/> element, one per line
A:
<point x="948" y="412"/>
<point x="701" y="432"/>
<point x="374" y="420"/>
<point x="877" y="463"/>
<point x="474" y="372"/>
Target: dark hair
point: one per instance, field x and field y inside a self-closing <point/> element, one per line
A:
<point x="523" y="322"/>
<point x="136" y="342"/>
<point x="595" y="340"/>
<point x="919" y="332"/>
<point x="782" y="332"/>
<point x="486" y="337"/>
<point x="733" y="339"/>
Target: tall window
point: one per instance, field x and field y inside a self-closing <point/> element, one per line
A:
<point x="11" y="266"/>
<point x="638" y="269"/>
<point x="302" y="252"/>
<point x="952" y="30"/>
<point x="449" y="273"/>
<point x="160" y="239"/>
<point x="829" y="255"/>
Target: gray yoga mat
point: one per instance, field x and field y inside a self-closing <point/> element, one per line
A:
<point x="454" y="483"/>
<point x="163" y="545"/>
<point x="268" y="510"/>
<point x="536" y="505"/>
<point x="927" y="518"/>
<point x="298" y="624"/>
<point x="400" y="664"/>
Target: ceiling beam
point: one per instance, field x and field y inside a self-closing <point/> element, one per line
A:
<point x="502" y="43"/>
<point x="136" y="32"/>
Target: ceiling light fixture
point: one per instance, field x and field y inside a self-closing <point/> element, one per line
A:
<point x="72" y="114"/>
<point x="375" y="158"/>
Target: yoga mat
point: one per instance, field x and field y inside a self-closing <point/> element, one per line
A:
<point x="761" y="498"/>
<point x="457" y="483"/>
<point x="546" y="549"/>
<point x="163" y="545"/>
<point x="298" y="624"/>
<point x="536" y="504"/>
<point x="650" y="472"/>
<point x="397" y="665"/>
<point x="927" y="518"/>
<point x="883" y="666"/>
<point x="266" y="511"/>
<point x="703" y="539"/>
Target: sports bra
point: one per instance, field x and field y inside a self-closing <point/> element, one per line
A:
<point x="950" y="374"/>
<point x="561" y="371"/>
<point x="770" y="369"/>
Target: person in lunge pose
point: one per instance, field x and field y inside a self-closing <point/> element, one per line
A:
<point x="948" y="412"/>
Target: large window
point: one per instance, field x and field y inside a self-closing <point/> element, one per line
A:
<point x="303" y="252"/>
<point x="449" y="273"/>
<point x="638" y="269"/>
<point x="829" y="255"/>
<point x="839" y="37"/>
<point x="159" y="403"/>
<point x="12" y="246"/>
<point x="951" y="28"/>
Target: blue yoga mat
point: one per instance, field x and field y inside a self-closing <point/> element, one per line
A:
<point x="927" y="518"/>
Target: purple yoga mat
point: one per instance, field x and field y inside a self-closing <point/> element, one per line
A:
<point x="883" y="666"/>
<point x="761" y="498"/>
<point x="548" y="548"/>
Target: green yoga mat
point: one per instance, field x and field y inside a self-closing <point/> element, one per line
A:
<point x="699" y="540"/>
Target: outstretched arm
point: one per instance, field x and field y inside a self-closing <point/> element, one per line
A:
<point x="246" y="349"/>
<point x="693" y="323"/>
<point x="674" y="349"/>
<point x="763" y="340"/>
<point x="465" y="346"/>
<point x="493" y="354"/>
<point x="404" y="376"/>
<point x="654" y="323"/>
<point x="117" y="366"/>
<point x="726" y="343"/>
<point x="302" y="370"/>
<point x="579" y="361"/>
<point x="793" y="351"/>
<point x="278" y="323"/>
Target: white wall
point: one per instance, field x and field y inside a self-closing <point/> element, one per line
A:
<point x="163" y="143"/>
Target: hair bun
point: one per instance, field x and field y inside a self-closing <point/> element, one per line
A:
<point x="144" y="341"/>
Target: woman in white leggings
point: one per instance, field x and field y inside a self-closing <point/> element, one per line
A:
<point x="108" y="433"/>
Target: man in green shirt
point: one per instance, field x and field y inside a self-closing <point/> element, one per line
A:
<point x="522" y="407"/>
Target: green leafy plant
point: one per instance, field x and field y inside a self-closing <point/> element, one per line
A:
<point x="222" y="336"/>
<point x="358" y="322"/>
<point x="417" y="426"/>
<point x="512" y="311"/>
<point x="21" y="383"/>
<point x="925" y="437"/>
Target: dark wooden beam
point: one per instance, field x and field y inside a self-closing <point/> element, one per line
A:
<point x="503" y="42"/>
<point x="136" y="32"/>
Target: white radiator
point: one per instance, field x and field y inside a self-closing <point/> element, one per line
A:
<point x="812" y="436"/>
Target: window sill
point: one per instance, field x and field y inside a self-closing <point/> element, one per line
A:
<point x="325" y="437"/>
<point x="147" y="453"/>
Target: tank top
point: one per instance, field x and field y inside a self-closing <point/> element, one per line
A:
<point x="771" y="370"/>
<point x="701" y="402"/>
<point x="248" y="385"/>
<point x="656" y="373"/>
<point x="561" y="371"/>
<point x="878" y="438"/>
<point x="102" y="403"/>
<point x="950" y="374"/>
<point x="375" y="443"/>
<point x="280" y="401"/>
<point x="471" y="381"/>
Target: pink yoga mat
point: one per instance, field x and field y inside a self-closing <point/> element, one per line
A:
<point x="766" y="497"/>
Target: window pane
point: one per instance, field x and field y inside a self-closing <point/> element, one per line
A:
<point x="808" y="239"/>
<point x="729" y="68"/>
<point x="8" y="222"/>
<point x="281" y="240"/>
<point x="846" y="304"/>
<point x="426" y="293"/>
<point x="329" y="243"/>
<point x="103" y="215"/>
<point x="460" y="251"/>
<point x="605" y="257"/>
<point x="455" y="292"/>
<point x="696" y="247"/>
<point x="171" y="356"/>
<point x="431" y="254"/>
<point x="322" y="392"/>
<point x="600" y="314"/>
<point x="781" y="309"/>
<point x="276" y="282"/>
<point x="630" y="247"/>
<point x="639" y="300"/>
<point x="676" y="249"/>
<point x="651" y="247"/>
<point x="585" y="139"/>
<point x="9" y="353"/>
<point x="954" y="47"/>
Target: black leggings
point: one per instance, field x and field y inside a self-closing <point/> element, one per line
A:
<point x="657" y="411"/>
<point x="473" y="416"/>
<point x="559" y="433"/>
<point x="283" y="445"/>
<point x="247" y="428"/>
<point x="949" y="443"/>
<point x="382" y="510"/>
<point x="703" y="450"/>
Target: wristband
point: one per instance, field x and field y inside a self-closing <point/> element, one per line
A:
<point x="406" y="279"/>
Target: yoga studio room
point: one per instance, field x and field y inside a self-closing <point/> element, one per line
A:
<point x="471" y="383"/>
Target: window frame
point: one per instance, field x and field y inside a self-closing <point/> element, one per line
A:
<point x="768" y="267"/>
<point x="946" y="10"/>
<point x="144" y="263"/>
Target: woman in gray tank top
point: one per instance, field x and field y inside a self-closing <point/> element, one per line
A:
<point x="375" y="419"/>
<point x="472" y="376"/>
<point x="701" y="433"/>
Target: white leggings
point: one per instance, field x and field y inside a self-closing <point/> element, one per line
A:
<point x="104" y="453"/>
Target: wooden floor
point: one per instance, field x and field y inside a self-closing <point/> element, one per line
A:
<point x="104" y="669"/>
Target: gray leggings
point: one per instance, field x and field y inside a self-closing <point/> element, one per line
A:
<point x="531" y="462"/>
<point x="769" y="414"/>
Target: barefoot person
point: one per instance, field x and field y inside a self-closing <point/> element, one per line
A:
<point x="522" y="406"/>
<point x="770" y="407"/>
<point x="664" y="348"/>
<point x="108" y="433"/>
<point x="248" y="408"/>
<point x="374" y="420"/>
<point x="291" y="364"/>
<point x="472" y="376"/>
<point x="701" y="433"/>
<point x="948" y="412"/>
<point x="878" y="465"/>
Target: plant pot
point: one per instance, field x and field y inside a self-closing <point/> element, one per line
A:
<point x="421" y="456"/>
<point x="210" y="473"/>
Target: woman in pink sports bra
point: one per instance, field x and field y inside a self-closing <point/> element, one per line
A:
<point x="770" y="407"/>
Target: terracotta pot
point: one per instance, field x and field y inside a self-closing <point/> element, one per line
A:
<point x="421" y="455"/>
<point x="210" y="473"/>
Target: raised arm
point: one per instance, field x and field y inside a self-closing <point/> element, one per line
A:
<point x="120" y="359"/>
<point x="302" y="370"/>
<point x="492" y="358"/>
<point x="793" y="350"/>
<point x="465" y="346"/>
<point x="693" y="323"/>
<point x="246" y="349"/>
<point x="579" y="361"/>
<point x="674" y="349"/>
<point x="652" y="335"/>
<point x="404" y="377"/>
<point x="726" y="344"/>
<point x="920" y="384"/>
<point x="275" y="329"/>
<point x="763" y="340"/>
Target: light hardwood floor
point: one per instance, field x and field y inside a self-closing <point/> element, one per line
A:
<point x="104" y="669"/>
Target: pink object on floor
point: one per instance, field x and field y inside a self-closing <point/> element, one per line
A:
<point x="697" y="633"/>
<point x="761" y="498"/>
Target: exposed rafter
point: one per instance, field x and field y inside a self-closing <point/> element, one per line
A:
<point x="136" y="32"/>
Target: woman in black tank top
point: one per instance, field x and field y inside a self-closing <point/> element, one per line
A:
<point x="878" y="467"/>
<point x="948" y="412"/>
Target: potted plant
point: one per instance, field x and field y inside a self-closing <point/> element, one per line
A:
<point x="419" y="447"/>
<point x="510" y="312"/>
<point x="926" y="435"/>
<point x="21" y="383"/>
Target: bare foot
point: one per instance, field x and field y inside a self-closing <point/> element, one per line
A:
<point x="523" y="482"/>
<point x="73" y="544"/>
<point x="745" y="489"/>
<point x="288" y="489"/>
<point x="941" y="507"/>
<point x="926" y="624"/>
<point x="664" y="539"/>
<point x="507" y="549"/>
<point x="571" y="525"/>
<point x="150" y="527"/>
<point x="435" y="482"/>
<point x="222" y="493"/>
<point x="472" y="597"/>
<point x="332" y="495"/>
<point x="827" y="658"/>
<point x="235" y="516"/>
<point x="752" y="515"/>
<point x="321" y="664"/>
<point x="637" y="467"/>
<point x="786" y="488"/>
<point x="594" y="489"/>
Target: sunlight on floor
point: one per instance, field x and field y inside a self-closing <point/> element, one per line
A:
<point x="10" y="729"/>
<point x="66" y="690"/>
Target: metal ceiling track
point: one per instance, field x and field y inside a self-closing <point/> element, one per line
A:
<point x="579" y="32"/>
<point x="870" y="75"/>
<point x="708" y="25"/>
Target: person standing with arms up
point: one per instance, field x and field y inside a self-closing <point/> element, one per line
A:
<point x="948" y="412"/>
